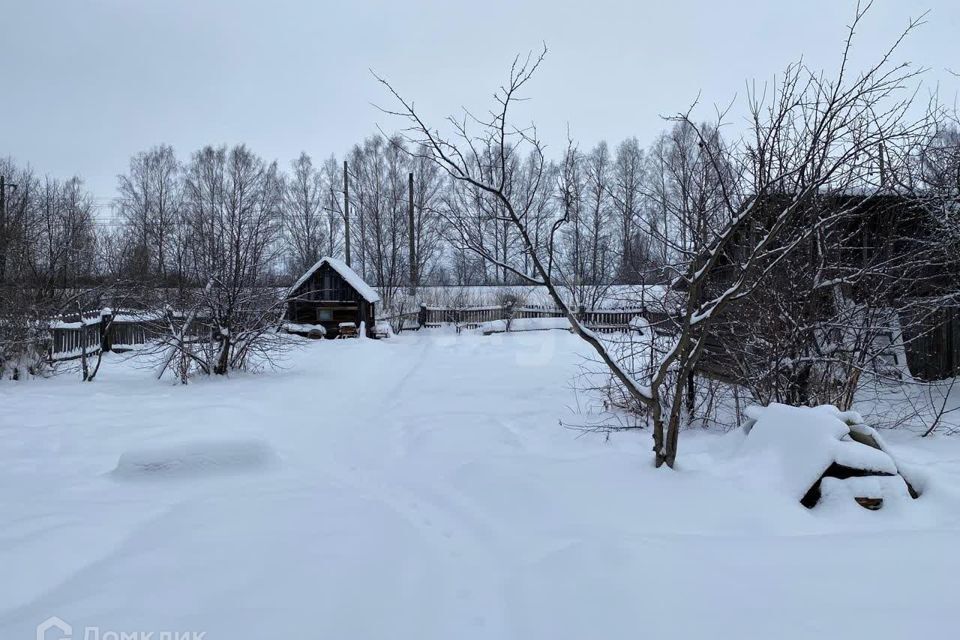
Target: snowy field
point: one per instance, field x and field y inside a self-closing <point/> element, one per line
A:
<point x="421" y="487"/>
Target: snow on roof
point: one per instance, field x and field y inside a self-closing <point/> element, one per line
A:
<point x="348" y="274"/>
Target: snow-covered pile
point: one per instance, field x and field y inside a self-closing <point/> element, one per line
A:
<point x="305" y="329"/>
<point x="524" y="324"/>
<point x="802" y="443"/>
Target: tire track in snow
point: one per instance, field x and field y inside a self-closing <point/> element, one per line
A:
<point x="462" y="585"/>
<point x="462" y="578"/>
<point x="393" y="396"/>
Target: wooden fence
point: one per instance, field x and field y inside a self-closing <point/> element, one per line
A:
<point x="114" y="330"/>
<point x="69" y="342"/>
<point x="931" y="340"/>
<point x="599" y="320"/>
<point x="105" y="330"/>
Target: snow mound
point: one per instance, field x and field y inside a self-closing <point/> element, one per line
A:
<point x="525" y="324"/>
<point x="640" y="324"/>
<point x="309" y="330"/>
<point x="197" y="458"/>
<point x="805" y="443"/>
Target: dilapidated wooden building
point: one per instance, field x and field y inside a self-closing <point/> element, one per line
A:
<point x="330" y="294"/>
<point x="874" y="278"/>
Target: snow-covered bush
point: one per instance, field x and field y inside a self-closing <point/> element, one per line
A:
<point x="24" y="342"/>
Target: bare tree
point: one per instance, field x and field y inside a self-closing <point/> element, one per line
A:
<point x="333" y="206"/>
<point x="599" y="212"/>
<point x="306" y="224"/>
<point x="378" y="170"/>
<point x="150" y="201"/>
<point x="682" y="189"/>
<point x="571" y="188"/>
<point x="233" y="201"/>
<point x="428" y="186"/>
<point x="626" y="193"/>
<point x="808" y="133"/>
<point x="49" y="252"/>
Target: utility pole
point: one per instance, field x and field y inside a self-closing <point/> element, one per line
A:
<point x="413" y="246"/>
<point x="346" y="213"/>
<point x="883" y="171"/>
<point x="3" y="227"/>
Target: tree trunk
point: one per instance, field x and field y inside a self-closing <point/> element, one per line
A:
<point x="223" y="359"/>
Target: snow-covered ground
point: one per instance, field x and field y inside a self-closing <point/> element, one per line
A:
<point x="421" y="487"/>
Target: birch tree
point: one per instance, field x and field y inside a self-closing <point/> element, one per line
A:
<point x="306" y="224"/>
<point x="150" y="200"/>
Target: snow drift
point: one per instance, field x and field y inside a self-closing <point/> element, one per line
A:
<point x="524" y="324"/>
<point x="212" y="457"/>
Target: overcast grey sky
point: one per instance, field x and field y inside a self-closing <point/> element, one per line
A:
<point x="86" y="83"/>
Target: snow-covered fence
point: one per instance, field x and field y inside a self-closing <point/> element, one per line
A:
<point x="537" y="311"/>
<point x="108" y="330"/>
<point x="463" y="317"/>
<point x="69" y="339"/>
<point x="599" y="320"/>
<point x="610" y="320"/>
<point x="399" y="322"/>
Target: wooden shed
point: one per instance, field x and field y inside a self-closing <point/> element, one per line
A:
<point x="331" y="293"/>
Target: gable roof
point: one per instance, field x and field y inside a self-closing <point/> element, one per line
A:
<point x="366" y="291"/>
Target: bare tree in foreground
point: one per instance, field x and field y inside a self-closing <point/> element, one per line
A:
<point x="232" y="207"/>
<point x="807" y="133"/>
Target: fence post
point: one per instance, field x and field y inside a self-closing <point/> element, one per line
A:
<point x="581" y="313"/>
<point x="422" y="317"/>
<point x="106" y="315"/>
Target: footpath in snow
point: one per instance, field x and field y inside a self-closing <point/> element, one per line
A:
<point x="421" y="487"/>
